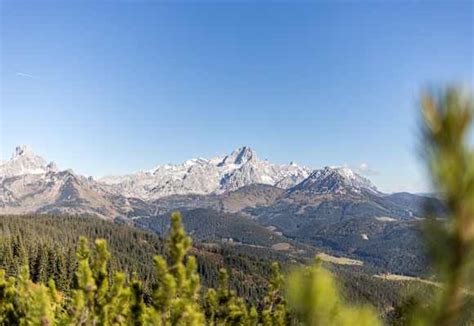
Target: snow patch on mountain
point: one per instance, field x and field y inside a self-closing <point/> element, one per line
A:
<point x="205" y="176"/>
<point x="334" y="180"/>
<point x="25" y="161"/>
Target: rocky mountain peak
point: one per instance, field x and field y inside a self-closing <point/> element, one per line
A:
<point x="334" y="180"/>
<point x="22" y="150"/>
<point x="239" y="156"/>
<point x="52" y="167"/>
<point x="205" y="176"/>
<point x="25" y="161"/>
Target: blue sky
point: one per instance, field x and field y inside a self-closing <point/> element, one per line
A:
<point x="114" y="87"/>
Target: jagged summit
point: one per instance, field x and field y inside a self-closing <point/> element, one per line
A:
<point x="204" y="176"/>
<point x="220" y="174"/>
<point x="334" y="180"/>
<point x="28" y="184"/>
<point x="25" y="161"/>
<point x="239" y="156"/>
<point x="22" y="150"/>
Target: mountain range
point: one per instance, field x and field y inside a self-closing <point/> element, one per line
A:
<point x="29" y="184"/>
<point x="238" y="198"/>
<point x="201" y="176"/>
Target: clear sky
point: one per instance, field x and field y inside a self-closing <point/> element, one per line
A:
<point x="113" y="87"/>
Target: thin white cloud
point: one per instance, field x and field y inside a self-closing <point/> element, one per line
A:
<point x="24" y="74"/>
<point x="365" y="169"/>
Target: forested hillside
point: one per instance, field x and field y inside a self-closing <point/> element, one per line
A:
<point x="48" y="245"/>
<point x="45" y="244"/>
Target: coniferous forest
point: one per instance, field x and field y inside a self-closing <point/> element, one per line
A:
<point x="48" y="244"/>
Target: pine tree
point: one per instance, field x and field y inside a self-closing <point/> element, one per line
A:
<point x="274" y="312"/>
<point x="315" y="300"/>
<point x="41" y="266"/>
<point x="176" y="295"/>
<point x="447" y="119"/>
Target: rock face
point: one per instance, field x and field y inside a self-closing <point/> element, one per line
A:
<point x="201" y="176"/>
<point x="24" y="161"/>
<point x="274" y="194"/>
<point x="338" y="181"/>
<point x="30" y="185"/>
